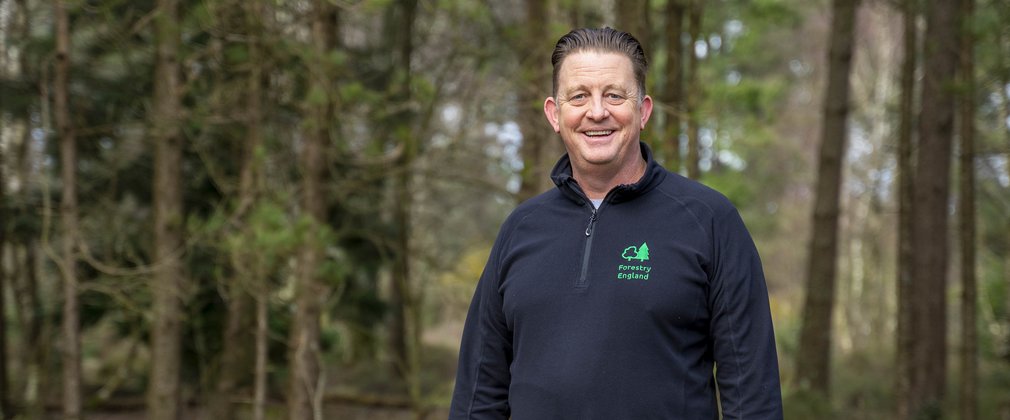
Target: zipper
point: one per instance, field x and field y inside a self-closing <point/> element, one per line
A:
<point x="585" y="253"/>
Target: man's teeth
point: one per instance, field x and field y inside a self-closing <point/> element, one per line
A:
<point x="599" y="133"/>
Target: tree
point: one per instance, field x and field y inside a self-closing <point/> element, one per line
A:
<point x="68" y="216"/>
<point x="929" y="223"/>
<point x="4" y="383"/>
<point x="966" y="198"/>
<point x="633" y="17"/>
<point x="694" y="92"/>
<point x="673" y="86"/>
<point x="245" y="293"/>
<point x="305" y="391"/>
<point x="813" y="365"/>
<point x="531" y="85"/>
<point x="168" y="284"/>
<point x="905" y="344"/>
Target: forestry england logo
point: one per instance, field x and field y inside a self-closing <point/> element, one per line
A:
<point x="634" y="272"/>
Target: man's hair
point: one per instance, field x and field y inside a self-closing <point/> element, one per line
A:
<point x="601" y="40"/>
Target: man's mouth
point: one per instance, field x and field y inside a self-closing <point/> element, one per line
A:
<point x="598" y="133"/>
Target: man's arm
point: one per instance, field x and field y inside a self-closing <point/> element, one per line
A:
<point x="742" y="335"/>
<point x="483" y="377"/>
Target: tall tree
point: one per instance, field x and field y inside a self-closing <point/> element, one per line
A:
<point x="693" y="158"/>
<point x="813" y="365"/>
<point x="673" y="86"/>
<point x="406" y="305"/>
<point x="969" y="284"/>
<point x="239" y="333"/>
<point x="534" y="80"/>
<point x="929" y="223"/>
<point x="168" y="284"/>
<point x="5" y="408"/>
<point x="633" y="17"/>
<point x="68" y="216"/>
<point x="305" y="393"/>
<point x="905" y="290"/>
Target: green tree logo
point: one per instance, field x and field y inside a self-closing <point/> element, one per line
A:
<point x="640" y="253"/>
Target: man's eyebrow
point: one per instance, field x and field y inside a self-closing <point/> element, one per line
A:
<point x="612" y="86"/>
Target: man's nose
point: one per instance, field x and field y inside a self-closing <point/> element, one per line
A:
<point x="598" y="110"/>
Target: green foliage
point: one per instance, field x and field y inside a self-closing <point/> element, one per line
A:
<point x="806" y="405"/>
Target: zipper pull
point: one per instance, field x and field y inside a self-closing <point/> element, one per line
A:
<point x="592" y="221"/>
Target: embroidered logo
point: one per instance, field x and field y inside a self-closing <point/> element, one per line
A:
<point x="634" y="272"/>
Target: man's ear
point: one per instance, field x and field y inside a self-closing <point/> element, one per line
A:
<point x="551" y="112"/>
<point x="646" y="109"/>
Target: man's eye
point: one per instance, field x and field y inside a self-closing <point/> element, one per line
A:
<point x="578" y="96"/>
<point x="614" y="96"/>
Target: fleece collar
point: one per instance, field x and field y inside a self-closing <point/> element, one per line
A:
<point x="654" y="174"/>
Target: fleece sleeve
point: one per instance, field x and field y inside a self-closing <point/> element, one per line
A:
<point x="743" y="339"/>
<point x="485" y="354"/>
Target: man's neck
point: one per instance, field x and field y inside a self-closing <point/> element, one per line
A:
<point x="596" y="181"/>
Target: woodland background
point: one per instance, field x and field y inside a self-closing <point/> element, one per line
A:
<point x="279" y="209"/>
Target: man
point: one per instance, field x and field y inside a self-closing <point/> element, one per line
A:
<point x="613" y="295"/>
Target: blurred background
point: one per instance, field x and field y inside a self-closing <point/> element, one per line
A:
<point x="279" y="209"/>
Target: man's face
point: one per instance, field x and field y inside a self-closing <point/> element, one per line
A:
<point x="598" y="111"/>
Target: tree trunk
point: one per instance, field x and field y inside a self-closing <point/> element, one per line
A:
<point x="674" y="85"/>
<point x="305" y="393"/>
<point x="240" y="331"/>
<point x="406" y="297"/>
<point x="813" y="366"/>
<point x="260" y="386"/>
<point x="531" y="87"/>
<point x="249" y="188"/>
<point x="5" y="391"/>
<point x="969" y="333"/>
<point x="905" y="291"/>
<point x="633" y="17"/>
<point x="29" y="307"/>
<point x="694" y="91"/>
<point x="68" y="216"/>
<point x="168" y="286"/>
<point x="930" y="224"/>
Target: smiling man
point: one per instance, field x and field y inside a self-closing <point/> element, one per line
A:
<point x="627" y="292"/>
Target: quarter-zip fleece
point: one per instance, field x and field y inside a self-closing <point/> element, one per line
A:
<point x="620" y="312"/>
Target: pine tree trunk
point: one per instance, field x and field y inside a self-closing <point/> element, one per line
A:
<point x="969" y="305"/>
<point x="34" y="354"/>
<point x="240" y="333"/>
<point x="406" y="297"/>
<point x="168" y="286"/>
<point x="905" y="290"/>
<point x="814" y="363"/>
<point x="694" y="91"/>
<point x="531" y="87"/>
<point x="674" y="85"/>
<point x="930" y="221"/>
<point x="260" y="385"/>
<point x="68" y="216"/>
<point x="5" y="391"/>
<point x="305" y="390"/>
<point x="633" y="17"/>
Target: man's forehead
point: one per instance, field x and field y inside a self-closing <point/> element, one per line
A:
<point x="591" y="66"/>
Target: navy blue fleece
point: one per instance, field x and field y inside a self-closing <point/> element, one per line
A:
<point x="621" y="313"/>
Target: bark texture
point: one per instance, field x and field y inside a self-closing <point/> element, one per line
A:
<point x="168" y="285"/>
<point x="536" y="148"/>
<point x="969" y="282"/>
<point x="673" y="89"/>
<point x="813" y="365"/>
<point x="71" y="348"/>
<point x="305" y="390"/>
<point x="930" y="211"/>
<point x="694" y="92"/>
<point x="905" y="177"/>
